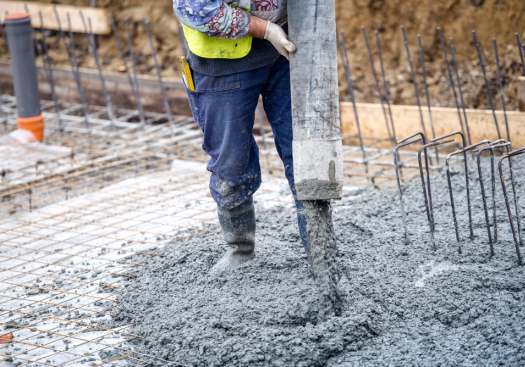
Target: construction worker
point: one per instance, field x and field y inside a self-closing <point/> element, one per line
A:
<point x="238" y="51"/>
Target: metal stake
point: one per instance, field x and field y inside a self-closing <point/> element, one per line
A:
<point x="462" y="151"/>
<point x="122" y="53"/>
<point x="516" y="232"/>
<point x="413" y="139"/>
<point x="521" y="52"/>
<point x="488" y="95"/>
<point x="88" y="29"/>
<point x="6" y="114"/>
<point x="70" y="48"/>
<point x="386" y="85"/>
<point x="450" y="77"/>
<point x="425" y="182"/>
<point x="491" y="148"/>
<point x="164" y="94"/>
<point x="377" y="87"/>
<point x="413" y="76"/>
<point x="50" y="76"/>
<point x="459" y="82"/>
<point x="499" y="79"/>
<point x="348" y="76"/>
<point x="133" y="62"/>
<point x="422" y="64"/>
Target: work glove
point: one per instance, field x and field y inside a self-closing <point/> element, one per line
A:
<point x="279" y="39"/>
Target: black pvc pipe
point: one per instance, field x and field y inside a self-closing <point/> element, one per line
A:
<point x="23" y="67"/>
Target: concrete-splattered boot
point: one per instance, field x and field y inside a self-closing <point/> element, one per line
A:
<point x="238" y="227"/>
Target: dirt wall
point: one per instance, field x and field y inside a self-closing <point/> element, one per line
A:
<point x="498" y="19"/>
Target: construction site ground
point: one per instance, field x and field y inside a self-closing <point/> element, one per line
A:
<point x="106" y="261"/>
<point x="108" y="231"/>
<point x="404" y="304"/>
<point x="121" y="276"/>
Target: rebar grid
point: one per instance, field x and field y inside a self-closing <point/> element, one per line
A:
<point x="60" y="264"/>
<point x="120" y="150"/>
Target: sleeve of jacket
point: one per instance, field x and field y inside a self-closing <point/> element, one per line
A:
<point x="213" y="17"/>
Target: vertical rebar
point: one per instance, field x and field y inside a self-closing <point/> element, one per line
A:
<point x="450" y="76"/>
<point x="413" y="77"/>
<point x="495" y="145"/>
<point x="488" y="94"/>
<point x="6" y="111"/>
<point x="386" y="85"/>
<point x="75" y="66"/>
<point x="88" y="29"/>
<point x="459" y="82"/>
<point x="516" y="232"/>
<point x="70" y="49"/>
<point x="122" y="54"/>
<point x="50" y="75"/>
<point x="422" y="65"/>
<point x="462" y="151"/>
<point x="427" y="187"/>
<point x="349" y="81"/>
<point x="416" y="138"/>
<point x="521" y="52"/>
<point x="162" y="86"/>
<point x="425" y="183"/>
<point x="376" y="84"/>
<point x="499" y="78"/>
<point x="133" y="61"/>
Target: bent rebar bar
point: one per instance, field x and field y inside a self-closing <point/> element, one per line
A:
<point x="496" y="145"/>
<point x="413" y="139"/>
<point x="425" y="175"/>
<point x="467" y="183"/>
<point x="516" y="229"/>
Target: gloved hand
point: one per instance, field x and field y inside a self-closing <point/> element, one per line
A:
<point x="278" y="38"/>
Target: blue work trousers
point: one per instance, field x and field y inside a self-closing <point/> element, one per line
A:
<point x="224" y="107"/>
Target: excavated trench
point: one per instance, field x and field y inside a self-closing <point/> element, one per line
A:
<point x="402" y="304"/>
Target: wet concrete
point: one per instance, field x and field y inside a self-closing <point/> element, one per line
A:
<point x="322" y="256"/>
<point x="400" y="304"/>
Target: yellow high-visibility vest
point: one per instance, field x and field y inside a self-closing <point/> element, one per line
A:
<point x="216" y="47"/>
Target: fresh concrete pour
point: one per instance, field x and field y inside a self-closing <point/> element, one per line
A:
<point x="401" y="304"/>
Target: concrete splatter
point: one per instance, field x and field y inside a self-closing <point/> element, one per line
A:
<point x="322" y="256"/>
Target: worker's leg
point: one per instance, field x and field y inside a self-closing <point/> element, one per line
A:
<point x="224" y="108"/>
<point x="277" y="104"/>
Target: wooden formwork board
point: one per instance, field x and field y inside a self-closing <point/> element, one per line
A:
<point x="99" y="17"/>
<point x="445" y="120"/>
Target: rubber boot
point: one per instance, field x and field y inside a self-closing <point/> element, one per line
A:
<point x="238" y="227"/>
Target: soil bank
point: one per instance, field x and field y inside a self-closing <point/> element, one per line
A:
<point x="491" y="18"/>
